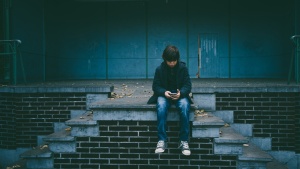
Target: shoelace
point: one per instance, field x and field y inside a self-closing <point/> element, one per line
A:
<point x="184" y="144"/>
<point x="160" y="144"/>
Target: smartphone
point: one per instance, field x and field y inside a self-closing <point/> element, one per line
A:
<point x="173" y="93"/>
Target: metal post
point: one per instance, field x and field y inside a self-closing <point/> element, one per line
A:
<point x="14" y="66"/>
<point x="295" y="59"/>
<point x="297" y="52"/>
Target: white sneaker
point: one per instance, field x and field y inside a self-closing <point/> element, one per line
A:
<point x="160" y="147"/>
<point x="184" y="145"/>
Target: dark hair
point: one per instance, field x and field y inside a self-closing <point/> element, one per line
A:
<point x="171" y="53"/>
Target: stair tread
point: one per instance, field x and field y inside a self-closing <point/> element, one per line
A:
<point x="207" y="119"/>
<point x="128" y="103"/>
<point x="20" y="164"/>
<point x="228" y="135"/>
<point x="84" y="119"/>
<point x="40" y="152"/>
<point x="253" y="153"/>
<point x="63" y="135"/>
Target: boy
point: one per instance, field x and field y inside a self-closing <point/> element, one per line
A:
<point x="172" y="85"/>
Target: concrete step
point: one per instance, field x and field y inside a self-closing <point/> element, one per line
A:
<point x="132" y="109"/>
<point x="205" y="101"/>
<point x="253" y="158"/>
<point x="206" y="125"/>
<point x="229" y="142"/>
<point x="61" y="142"/>
<point x="20" y="164"/>
<point x="245" y="130"/>
<point x="84" y="125"/>
<point x="39" y="158"/>
<point x="226" y="115"/>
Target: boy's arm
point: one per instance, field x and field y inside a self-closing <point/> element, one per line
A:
<point x="187" y="85"/>
<point x="156" y="86"/>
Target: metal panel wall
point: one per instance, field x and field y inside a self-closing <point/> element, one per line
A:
<point x="125" y="39"/>
<point x="260" y="38"/>
<point x="26" y="22"/>
<point x="208" y="22"/>
<point x="167" y="24"/>
<point x="75" y="40"/>
<point x="126" y="29"/>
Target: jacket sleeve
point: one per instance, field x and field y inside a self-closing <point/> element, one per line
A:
<point x="186" y="88"/>
<point x="157" y="86"/>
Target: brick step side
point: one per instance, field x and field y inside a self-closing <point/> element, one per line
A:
<point x="131" y="144"/>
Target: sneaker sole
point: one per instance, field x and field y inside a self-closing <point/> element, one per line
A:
<point x="160" y="151"/>
<point x="186" y="154"/>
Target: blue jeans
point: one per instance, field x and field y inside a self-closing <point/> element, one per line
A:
<point x="183" y="108"/>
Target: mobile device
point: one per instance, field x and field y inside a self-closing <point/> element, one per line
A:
<point x="173" y="93"/>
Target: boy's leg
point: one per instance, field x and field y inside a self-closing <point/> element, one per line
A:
<point x="183" y="107"/>
<point x="162" y="110"/>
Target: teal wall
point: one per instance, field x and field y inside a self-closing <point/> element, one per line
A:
<point x="124" y="39"/>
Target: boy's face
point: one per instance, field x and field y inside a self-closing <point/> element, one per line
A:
<point x="172" y="64"/>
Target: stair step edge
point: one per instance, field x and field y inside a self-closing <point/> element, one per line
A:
<point x="228" y="135"/>
<point x="63" y="135"/>
<point x="253" y="153"/>
<point x="39" y="152"/>
<point x="207" y="119"/>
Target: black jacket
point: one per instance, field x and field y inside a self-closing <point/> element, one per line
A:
<point x="159" y="85"/>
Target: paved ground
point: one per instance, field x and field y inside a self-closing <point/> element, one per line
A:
<point x="131" y="88"/>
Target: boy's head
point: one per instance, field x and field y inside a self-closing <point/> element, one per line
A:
<point x="171" y="53"/>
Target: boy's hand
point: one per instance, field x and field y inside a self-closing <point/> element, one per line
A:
<point x="168" y="94"/>
<point x="172" y="96"/>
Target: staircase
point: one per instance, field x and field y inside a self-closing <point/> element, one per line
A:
<point x="89" y="138"/>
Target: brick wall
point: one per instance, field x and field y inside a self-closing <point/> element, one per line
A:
<point x="131" y="144"/>
<point x="273" y="115"/>
<point x="28" y="115"/>
<point x="7" y="121"/>
<point x="297" y="124"/>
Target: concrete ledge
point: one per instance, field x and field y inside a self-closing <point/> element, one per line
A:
<point x="267" y="89"/>
<point x="136" y="114"/>
<point x="131" y="109"/>
<point x="57" y="89"/>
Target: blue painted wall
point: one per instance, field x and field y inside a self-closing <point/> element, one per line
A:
<point x="125" y="39"/>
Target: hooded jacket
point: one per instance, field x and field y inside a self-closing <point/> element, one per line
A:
<point x="160" y="82"/>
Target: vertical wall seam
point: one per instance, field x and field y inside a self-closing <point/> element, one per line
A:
<point x="106" y="40"/>
<point x="146" y="44"/>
